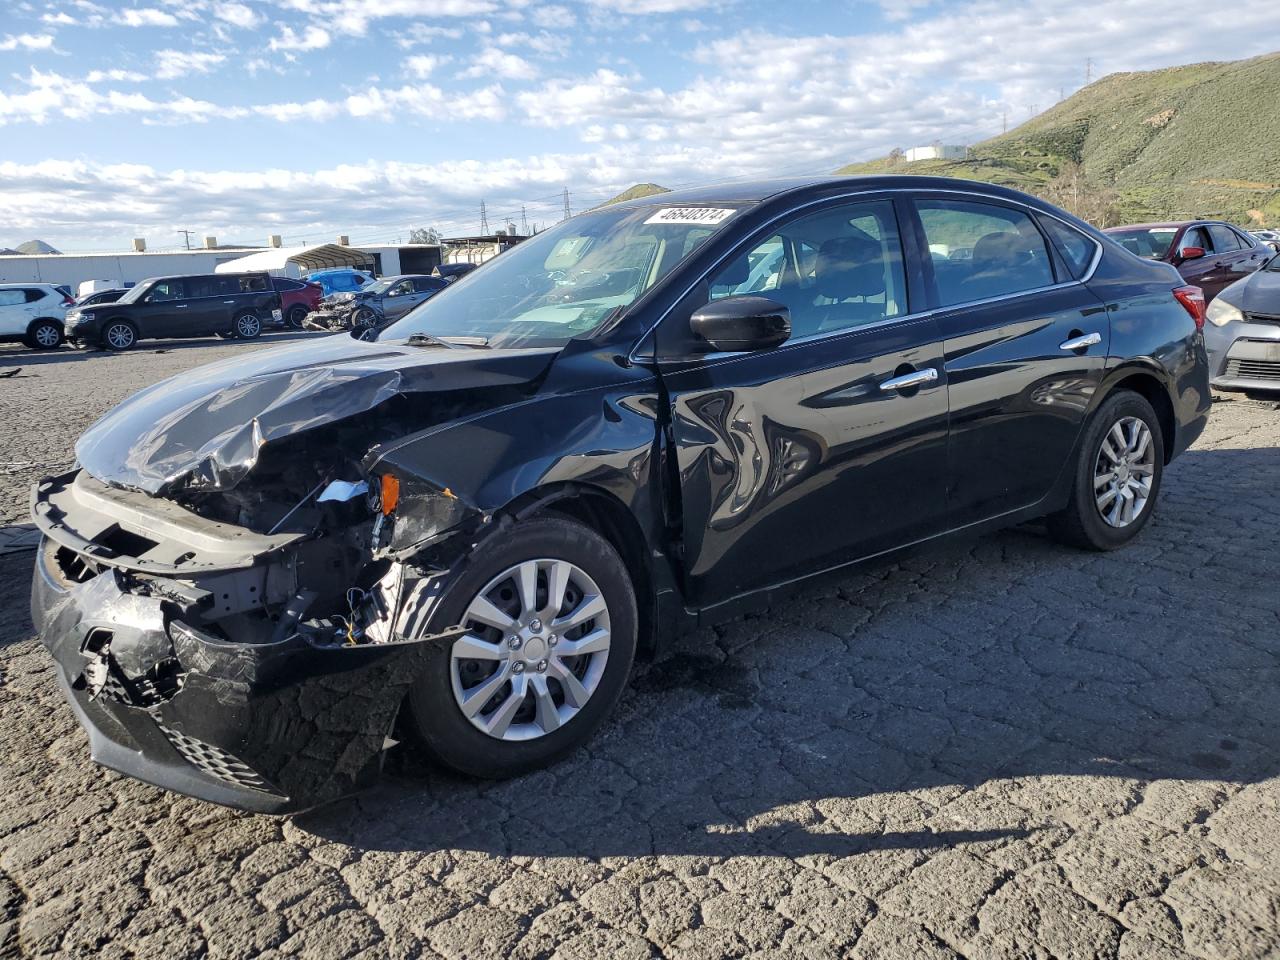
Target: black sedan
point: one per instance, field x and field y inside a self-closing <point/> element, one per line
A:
<point x="647" y="419"/>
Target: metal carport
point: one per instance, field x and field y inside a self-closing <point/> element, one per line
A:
<point x="299" y="261"/>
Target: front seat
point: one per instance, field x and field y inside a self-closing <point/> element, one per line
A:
<point x="848" y="272"/>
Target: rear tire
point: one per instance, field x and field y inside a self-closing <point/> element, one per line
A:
<point x="1117" y="476"/>
<point x="44" y="334"/>
<point x="296" y="315"/>
<point x="530" y="738"/>
<point x="247" y="326"/>
<point x="119" y="335"/>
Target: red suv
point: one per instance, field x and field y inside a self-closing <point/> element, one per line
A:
<point x="1208" y="253"/>
<point x="297" y="299"/>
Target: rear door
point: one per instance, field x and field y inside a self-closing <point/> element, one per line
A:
<point x="15" y="314"/>
<point x="206" y="311"/>
<point x="1025" y="345"/>
<point x="802" y="457"/>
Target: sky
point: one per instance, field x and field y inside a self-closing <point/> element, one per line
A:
<point x="310" y="118"/>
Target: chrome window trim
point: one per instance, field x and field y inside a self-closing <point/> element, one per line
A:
<point x="870" y="195"/>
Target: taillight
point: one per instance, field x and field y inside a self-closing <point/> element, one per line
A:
<point x="1192" y="299"/>
<point x="67" y="301"/>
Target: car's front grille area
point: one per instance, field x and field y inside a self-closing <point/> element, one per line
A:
<point x="1253" y="370"/>
<point x="214" y="760"/>
<point x="1263" y="318"/>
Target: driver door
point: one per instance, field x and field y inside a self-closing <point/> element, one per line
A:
<point x="399" y="300"/>
<point x="166" y="310"/>
<point x="808" y="455"/>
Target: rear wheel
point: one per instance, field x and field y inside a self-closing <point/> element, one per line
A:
<point x="297" y="313"/>
<point x="551" y="627"/>
<point x="44" y="334"/>
<point x="119" y="335"/>
<point x="1117" y="476"/>
<point x="247" y="326"/>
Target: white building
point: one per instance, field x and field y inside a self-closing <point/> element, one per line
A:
<point x="126" y="269"/>
<point x="937" y="151"/>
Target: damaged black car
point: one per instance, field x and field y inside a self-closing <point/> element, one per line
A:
<point x="464" y="527"/>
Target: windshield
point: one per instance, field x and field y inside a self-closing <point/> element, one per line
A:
<point x="382" y="286"/>
<point x="1151" y="243"/>
<point x="133" y="294"/>
<point x="567" y="281"/>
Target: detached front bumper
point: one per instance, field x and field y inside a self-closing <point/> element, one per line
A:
<point x="158" y="677"/>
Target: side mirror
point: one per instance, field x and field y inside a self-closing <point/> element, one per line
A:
<point x="742" y="323"/>
<point x="1191" y="253"/>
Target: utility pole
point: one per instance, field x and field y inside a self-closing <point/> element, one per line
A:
<point x="186" y="236"/>
<point x="1032" y="112"/>
<point x="524" y="222"/>
<point x="484" y="220"/>
<point x="567" y="212"/>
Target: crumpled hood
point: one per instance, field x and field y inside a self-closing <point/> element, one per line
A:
<point x="203" y="429"/>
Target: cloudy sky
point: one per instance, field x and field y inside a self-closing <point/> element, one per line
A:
<point x="240" y="118"/>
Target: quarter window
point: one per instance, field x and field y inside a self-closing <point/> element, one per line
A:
<point x="1077" y="249"/>
<point x="834" y="270"/>
<point x="980" y="250"/>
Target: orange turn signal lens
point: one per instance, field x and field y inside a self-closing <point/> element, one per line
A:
<point x="390" y="494"/>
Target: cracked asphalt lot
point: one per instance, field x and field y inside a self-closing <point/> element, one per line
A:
<point x="990" y="748"/>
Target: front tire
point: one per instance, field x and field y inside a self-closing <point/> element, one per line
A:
<point x="119" y="335"/>
<point x="44" y="334"/>
<point x="295" y="317"/>
<point x="1117" y="476"/>
<point x="535" y="676"/>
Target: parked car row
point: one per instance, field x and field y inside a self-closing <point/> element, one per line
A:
<point x="377" y="304"/>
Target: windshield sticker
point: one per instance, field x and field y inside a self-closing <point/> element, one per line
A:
<point x="693" y="216"/>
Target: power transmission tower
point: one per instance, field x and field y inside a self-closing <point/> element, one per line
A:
<point x="567" y="212"/>
<point x="524" y="222"/>
<point x="186" y="236"/>
<point x="1088" y="71"/>
<point x="484" y="220"/>
<point x="1004" y="122"/>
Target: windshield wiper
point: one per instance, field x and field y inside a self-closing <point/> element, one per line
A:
<point x="480" y="343"/>
<point x="430" y="339"/>
<point x="427" y="340"/>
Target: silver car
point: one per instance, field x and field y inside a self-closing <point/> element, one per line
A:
<point x="1243" y="333"/>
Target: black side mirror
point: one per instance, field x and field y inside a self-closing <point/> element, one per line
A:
<point x="742" y="323"/>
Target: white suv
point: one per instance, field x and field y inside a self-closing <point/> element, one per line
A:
<point x="33" y="313"/>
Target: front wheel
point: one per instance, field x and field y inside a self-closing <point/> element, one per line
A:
<point x="363" y="319"/>
<point x="295" y="317"/>
<point x="119" y="335"/>
<point x="551" y="623"/>
<point x="44" y="335"/>
<point x="1117" y="476"/>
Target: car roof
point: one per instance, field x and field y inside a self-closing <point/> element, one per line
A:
<point x="754" y="191"/>
<point x="1168" y="225"/>
<point x="27" y="285"/>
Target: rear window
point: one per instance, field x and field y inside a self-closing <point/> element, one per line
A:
<point x="284" y="283"/>
<point x="34" y="295"/>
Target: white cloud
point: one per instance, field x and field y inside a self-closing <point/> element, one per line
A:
<point x="51" y="95"/>
<point x="645" y="7"/>
<point x="553" y="16"/>
<point x="423" y="65"/>
<point x="61" y="18"/>
<point x="311" y="38"/>
<point x="119" y="76"/>
<point x="179" y="63"/>
<point x="236" y="14"/>
<point x="543" y="42"/>
<point x="27" y="41"/>
<point x="421" y="34"/>
<point x="492" y="62"/>
<point x="148" y="17"/>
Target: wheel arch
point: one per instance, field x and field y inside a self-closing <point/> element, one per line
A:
<point x="601" y="511"/>
<point x="1149" y="383"/>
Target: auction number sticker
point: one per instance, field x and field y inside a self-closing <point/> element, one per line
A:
<point x="694" y="216"/>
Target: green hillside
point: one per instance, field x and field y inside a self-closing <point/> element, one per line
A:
<point x="1200" y="140"/>
<point x="636" y="192"/>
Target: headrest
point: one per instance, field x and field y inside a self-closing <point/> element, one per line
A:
<point x="736" y="272"/>
<point x="997" y="251"/>
<point x="849" y="267"/>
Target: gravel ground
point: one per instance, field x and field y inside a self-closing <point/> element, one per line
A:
<point x="992" y="748"/>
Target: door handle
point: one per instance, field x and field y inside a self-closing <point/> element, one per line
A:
<point x="1081" y="342"/>
<point x="228" y="301"/>
<point x="179" y="306"/>
<point x="916" y="378"/>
